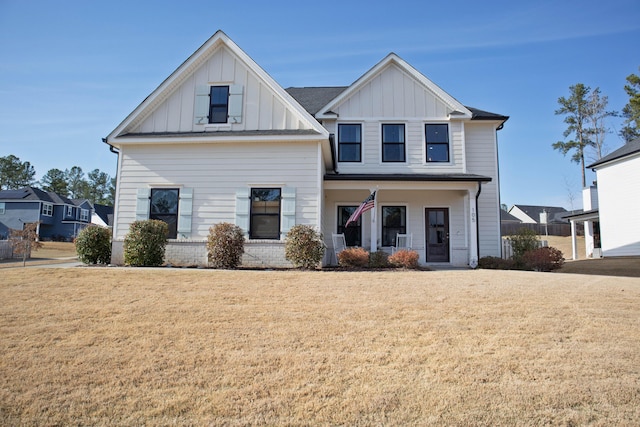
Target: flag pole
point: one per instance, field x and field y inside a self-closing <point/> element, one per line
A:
<point x="374" y="228"/>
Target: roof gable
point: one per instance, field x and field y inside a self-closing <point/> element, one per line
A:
<point x="394" y="88"/>
<point x="219" y="61"/>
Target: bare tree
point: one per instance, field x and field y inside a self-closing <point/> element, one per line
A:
<point x="26" y="240"/>
<point x="596" y="115"/>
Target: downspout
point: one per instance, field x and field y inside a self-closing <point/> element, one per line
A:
<point x="478" y="220"/>
<point x="332" y="145"/>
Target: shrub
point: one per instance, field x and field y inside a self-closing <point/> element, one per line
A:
<point x="304" y="246"/>
<point x="496" y="263"/>
<point x="523" y="241"/>
<point x="145" y="242"/>
<point x="225" y="245"/>
<point x="405" y="258"/>
<point x="353" y="257"/>
<point x="543" y="259"/>
<point x="93" y="245"/>
<point x="379" y="259"/>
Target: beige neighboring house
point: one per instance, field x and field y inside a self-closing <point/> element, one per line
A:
<point x="610" y="208"/>
<point x="220" y="140"/>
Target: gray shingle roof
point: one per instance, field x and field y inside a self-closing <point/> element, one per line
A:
<point x="628" y="149"/>
<point x="313" y="99"/>
<point x="554" y="213"/>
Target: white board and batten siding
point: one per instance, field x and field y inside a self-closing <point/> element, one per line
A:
<point x="214" y="173"/>
<point x="253" y="105"/>
<point x="619" y="204"/>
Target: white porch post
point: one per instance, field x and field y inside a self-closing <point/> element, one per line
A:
<point x="574" y="240"/>
<point x="473" y="228"/>
<point x="374" y="228"/>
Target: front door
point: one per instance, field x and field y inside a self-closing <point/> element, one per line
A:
<point x="437" y="239"/>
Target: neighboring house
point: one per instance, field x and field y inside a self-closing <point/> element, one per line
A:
<point x="102" y="215"/>
<point x="507" y="218"/>
<point x="59" y="218"/>
<point x="539" y="214"/>
<point x="220" y="140"/>
<point x="612" y="222"/>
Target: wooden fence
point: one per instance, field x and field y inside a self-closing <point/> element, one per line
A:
<point x="6" y="250"/>
<point x="509" y="229"/>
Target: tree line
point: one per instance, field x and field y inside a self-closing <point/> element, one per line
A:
<point x="585" y="112"/>
<point x="97" y="187"/>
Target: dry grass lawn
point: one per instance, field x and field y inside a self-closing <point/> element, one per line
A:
<point x="107" y="346"/>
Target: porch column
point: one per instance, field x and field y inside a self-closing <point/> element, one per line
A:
<point x="574" y="240"/>
<point x="473" y="228"/>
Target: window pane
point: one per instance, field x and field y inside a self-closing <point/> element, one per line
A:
<point x="219" y="95"/>
<point x="352" y="233"/>
<point x="437" y="133"/>
<point x="219" y="102"/>
<point x="265" y="213"/>
<point x="392" y="133"/>
<point x="164" y="201"/>
<point x="393" y="222"/>
<point x="349" y="153"/>
<point x="349" y="133"/>
<point x="393" y="152"/>
<point x="265" y="226"/>
<point x="437" y="152"/>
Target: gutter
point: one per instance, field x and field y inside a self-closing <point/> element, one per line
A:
<point x="111" y="147"/>
<point x="478" y="221"/>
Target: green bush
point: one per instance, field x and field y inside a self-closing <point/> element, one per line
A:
<point x="93" y="245"/>
<point x="405" y="258"/>
<point x="496" y="263"/>
<point x="379" y="259"/>
<point x="543" y="259"/>
<point x="353" y="257"/>
<point x="304" y="246"/>
<point x="145" y="243"/>
<point x="225" y="245"/>
<point x="523" y="241"/>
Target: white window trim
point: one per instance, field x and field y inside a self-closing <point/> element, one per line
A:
<point x="47" y="209"/>
<point x="84" y="215"/>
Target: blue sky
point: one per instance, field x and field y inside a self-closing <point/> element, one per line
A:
<point x="71" y="71"/>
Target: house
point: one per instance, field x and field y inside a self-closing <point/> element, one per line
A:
<point x="59" y="218"/>
<point x="539" y="214"/>
<point x="610" y="208"/>
<point x="102" y="215"/>
<point x="220" y="140"/>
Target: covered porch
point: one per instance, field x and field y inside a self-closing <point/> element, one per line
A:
<point x="438" y="212"/>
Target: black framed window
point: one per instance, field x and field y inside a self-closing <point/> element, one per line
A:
<point x="394" y="222"/>
<point x="349" y="142"/>
<point x="265" y="213"/>
<point x="352" y="233"/>
<point x="437" y="137"/>
<point x="393" y="149"/>
<point x="219" y="104"/>
<point x="164" y="207"/>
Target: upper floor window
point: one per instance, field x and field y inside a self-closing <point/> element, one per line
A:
<point x="84" y="214"/>
<point x="393" y="147"/>
<point x="70" y="211"/>
<point x="437" y="137"/>
<point x="349" y="142"/>
<point x="265" y="213"/>
<point x="164" y="207"/>
<point x="2" y="208"/>
<point x="394" y="222"/>
<point x="47" y="209"/>
<point x="219" y="104"/>
<point x="352" y="233"/>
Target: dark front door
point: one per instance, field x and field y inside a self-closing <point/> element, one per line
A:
<point x="437" y="239"/>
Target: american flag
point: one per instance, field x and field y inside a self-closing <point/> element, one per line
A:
<point x="368" y="203"/>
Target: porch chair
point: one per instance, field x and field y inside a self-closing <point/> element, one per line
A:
<point x="403" y="241"/>
<point x="339" y="244"/>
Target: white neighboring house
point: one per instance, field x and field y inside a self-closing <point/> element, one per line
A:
<point x="612" y="221"/>
<point x="220" y="140"/>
